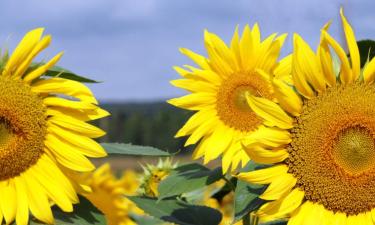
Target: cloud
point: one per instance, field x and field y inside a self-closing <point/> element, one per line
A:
<point x="132" y="44"/>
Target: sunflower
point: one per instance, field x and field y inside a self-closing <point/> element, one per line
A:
<point x="218" y="89"/>
<point x="154" y="174"/>
<point x="42" y="134"/>
<point x="108" y="195"/>
<point x="326" y="174"/>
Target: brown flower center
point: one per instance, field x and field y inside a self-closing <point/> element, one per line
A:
<point x="332" y="153"/>
<point x="22" y="127"/>
<point x="232" y="106"/>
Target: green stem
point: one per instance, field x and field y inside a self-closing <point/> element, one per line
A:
<point x="246" y="219"/>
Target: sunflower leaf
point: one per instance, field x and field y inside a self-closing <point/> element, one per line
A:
<point x="57" y="71"/>
<point x="366" y="50"/>
<point x="129" y="149"/>
<point x="246" y="196"/>
<point x="177" y="211"/>
<point x="187" y="178"/>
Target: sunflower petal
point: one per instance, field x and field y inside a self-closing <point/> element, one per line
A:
<point x="270" y="112"/>
<point x="264" y="176"/>
<point x="352" y="45"/>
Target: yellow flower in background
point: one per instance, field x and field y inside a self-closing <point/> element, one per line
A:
<point x="108" y="195"/>
<point x="42" y="134"/>
<point x="218" y="89"/>
<point x="154" y="174"/>
<point x="328" y="176"/>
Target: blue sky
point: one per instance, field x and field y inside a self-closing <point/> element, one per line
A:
<point x="132" y="45"/>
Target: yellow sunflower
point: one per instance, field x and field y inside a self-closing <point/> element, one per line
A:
<point x="326" y="174"/>
<point x="218" y="90"/>
<point x="41" y="132"/>
<point x="108" y="195"/>
<point x="154" y="174"/>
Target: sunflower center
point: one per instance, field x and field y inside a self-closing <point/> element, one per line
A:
<point x="332" y="153"/>
<point x="354" y="150"/>
<point x="232" y="107"/>
<point x="22" y="127"/>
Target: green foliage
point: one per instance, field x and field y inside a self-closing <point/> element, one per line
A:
<point x="84" y="213"/>
<point x="57" y="71"/>
<point x="149" y="124"/>
<point x="129" y="149"/>
<point x="247" y="195"/>
<point x="177" y="211"/>
<point x="366" y="50"/>
<point x="187" y="178"/>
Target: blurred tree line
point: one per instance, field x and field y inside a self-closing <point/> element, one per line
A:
<point x="152" y="124"/>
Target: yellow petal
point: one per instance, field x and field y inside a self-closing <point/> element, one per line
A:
<point x="68" y="157"/>
<point x="298" y="74"/>
<point x="77" y="126"/>
<point x="8" y="200"/>
<point x="55" y="184"/>
<point x="279" y="187"/>
<point x="270" y="112"/>
<point x="268" y="136"/>
<point x="81" y="114"/>
<point x="308" y="64"/>
<point x="352" y="45"/>
<point x="264" y="176"/>
<point x="369" y="72"/>
<point x="204" y="129"/>
<point x="265" y="156"/>
<point x="195" y="121"/>
<point x="39" y="205"/>
<point x="284" y="206"/>
<point x="220" y="140"/>
<point x="283" y="70"/>
<point x="23" y="50"/>
<point x="80" y="143"/>
<point x="325" y="59"/>
<point x="194" y="85"/>
<point x="287" y="97"/>
<point x="307" y="215"/>
<point x="42" y="69"/>
<point x="235" y="47"/>
<point x="42" y="44"/>
<point x="195" y="101"/>
<point x="198" y="59"/>
<point x="221" y="49"/>
<point x="268" y="61"/>
<point x="64" y="86"/>
<point x="346" y="75"/>
<point x="218" y="60"/>
<point x="22" y="215"/>
<point x="61" y="102"/>
<point x="247" y="49"/>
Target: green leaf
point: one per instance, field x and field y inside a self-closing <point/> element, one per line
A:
<point x="129" y="149"/>
<point x="246" y="195"/>
<point x="179" y="212"/>
<point x="57" y="71"/>
<point x="84" y="214"/>
<point x="187" y="178"/>
<point x="146" y="220"/>
<point x="366" y="50"/>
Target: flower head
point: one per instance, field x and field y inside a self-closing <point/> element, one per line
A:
<point x="326" y="174"/>
<point x="44" y="134"/>
<point x="218" y="93"/>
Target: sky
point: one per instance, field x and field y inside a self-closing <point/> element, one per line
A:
<point x="132" y="45"/>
